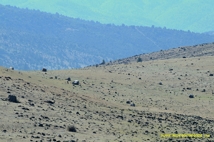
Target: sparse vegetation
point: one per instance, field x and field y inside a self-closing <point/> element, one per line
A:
<point x="103" y="62"/>
<point x="148" y="98"/>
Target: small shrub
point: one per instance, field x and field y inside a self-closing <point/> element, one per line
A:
<point x="139" y="59"/>
<point x="103" y="62"/>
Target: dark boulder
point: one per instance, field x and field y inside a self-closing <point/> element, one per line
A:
<point x="160" y="83"/>
<point x="12" y="98"/>
<point x="191" y="96"/>
<point x="44" y="69"/>
<point x="50" y="102"/>
<point x="71" y="128"/>
<point x="68" y="79"/>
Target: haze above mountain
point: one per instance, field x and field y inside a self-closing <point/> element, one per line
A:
<point x="193" y="15"/>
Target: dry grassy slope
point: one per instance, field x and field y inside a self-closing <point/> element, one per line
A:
<point x="205" y="49"/>
<point x="98" y="107"/>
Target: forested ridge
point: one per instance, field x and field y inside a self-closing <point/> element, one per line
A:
<point x="193" y="15"/>
<point x="31" y="39"/>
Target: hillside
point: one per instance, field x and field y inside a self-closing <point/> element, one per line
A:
<point x="31" y="40"/>
<point x="179" y="14"/>
<point x="206" y="49"/>
<point x="99" y="108"/>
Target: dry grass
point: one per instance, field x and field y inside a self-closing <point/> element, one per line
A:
<point x="160" y="90"/>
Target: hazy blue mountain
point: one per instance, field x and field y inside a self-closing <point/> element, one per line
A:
<point x="193" y="15"/>
<point x="30" y="39"/>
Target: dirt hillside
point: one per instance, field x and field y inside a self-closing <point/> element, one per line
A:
<point x="205" y="49"/>
<point x="124" y="102"/>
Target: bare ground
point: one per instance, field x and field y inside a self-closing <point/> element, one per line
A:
<point x="100" y="108"/>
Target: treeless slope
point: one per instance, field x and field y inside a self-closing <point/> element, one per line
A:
<point x="99" y="107"/>
<point x="206" y="49"/>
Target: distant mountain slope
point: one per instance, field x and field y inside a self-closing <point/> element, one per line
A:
<point x="194" y="15"/>
<point x="206" y="49"/>
<point x="30" y="40"/>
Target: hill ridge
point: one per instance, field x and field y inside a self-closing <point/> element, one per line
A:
<point x="140" y="12"/>
<point x="205" y="49"/>
<point x="49" y="40"/>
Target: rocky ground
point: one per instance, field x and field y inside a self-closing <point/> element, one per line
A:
<point x="123" y="102"/>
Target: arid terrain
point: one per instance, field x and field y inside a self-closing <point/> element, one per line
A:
<point x="205" y="49"/>
<point x="135" y="101"/>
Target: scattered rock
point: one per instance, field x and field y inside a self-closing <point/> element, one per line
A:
<point x="40" y="125"/>
<point x="8" y="78"/>
<point x="75" y="82"/>
<point x="132" y="104"/>
<point x="120" y="116"/>
<point x="50" y="102"/>
<point x="24" y="108"/>
<point x="12" y="68"/>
